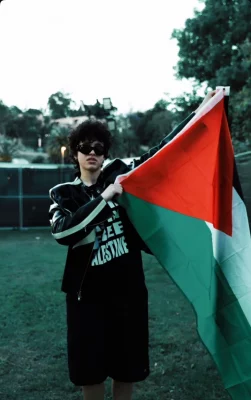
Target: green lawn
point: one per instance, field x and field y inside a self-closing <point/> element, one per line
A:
<point x="33" y="330"/>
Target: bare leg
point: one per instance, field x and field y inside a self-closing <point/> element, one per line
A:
<point x="122" y="390"/>
<point x="94" y="392"/>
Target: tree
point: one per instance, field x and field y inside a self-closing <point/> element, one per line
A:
<point x="5" y="117"/>
<point x="124" y="142"/>
<point x="58" y="138"/>
<point x="154" y="124"/>
<point x="98" y="111"/>
<point x="8" y="148"/>
<point x="214" y="48"/>
<point x="241" y="123"/>
<point x="59" y="105"/>
<point x="211" y="45"/>
<point x="158" y="127"/>
<point x="184" y="105"/>
<point x="27" y="125"/>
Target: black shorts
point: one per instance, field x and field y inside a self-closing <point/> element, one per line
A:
<point x="108" y="338"/>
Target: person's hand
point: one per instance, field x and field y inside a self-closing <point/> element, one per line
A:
<point x="208" y="97"/>
<point x="112" y="190"/>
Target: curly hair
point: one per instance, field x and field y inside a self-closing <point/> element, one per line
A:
<point x="88" y="130"/>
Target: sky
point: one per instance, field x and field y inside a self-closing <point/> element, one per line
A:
<point x="91" y="50"/>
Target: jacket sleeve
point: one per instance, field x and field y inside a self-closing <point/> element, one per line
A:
<point x="166" y="140"/>
<point x="67" y="227"/>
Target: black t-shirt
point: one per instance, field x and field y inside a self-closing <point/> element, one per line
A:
<point x="116" y="264"/>
<point x="111" y="245"/>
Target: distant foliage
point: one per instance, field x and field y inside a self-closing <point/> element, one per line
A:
<point x="58" y="138"/>
<point x="215" y="48"/>
<point x="153" y="125"/>
<point x="40" y="159"/>
<point x="26" y="126"/>
<point x="9" y="148"/>
<point x="59" y="105"/>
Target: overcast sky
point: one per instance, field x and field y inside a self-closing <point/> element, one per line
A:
<point x="90" y="49"/>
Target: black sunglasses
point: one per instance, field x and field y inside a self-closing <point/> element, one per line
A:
<point x="87" y="148"/>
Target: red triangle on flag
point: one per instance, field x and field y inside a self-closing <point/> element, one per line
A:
<point x="193" y="174"/>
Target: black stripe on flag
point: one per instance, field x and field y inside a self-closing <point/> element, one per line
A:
<point x="236" y="182"/>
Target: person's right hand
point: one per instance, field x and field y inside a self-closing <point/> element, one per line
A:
<point x="115" y="189"/>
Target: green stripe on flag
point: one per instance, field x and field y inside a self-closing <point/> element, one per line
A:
<point x="187" y="256"/>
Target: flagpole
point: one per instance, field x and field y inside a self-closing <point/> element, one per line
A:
<point x="226" y="97"/>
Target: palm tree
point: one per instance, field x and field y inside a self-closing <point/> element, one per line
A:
<point x="58" y="137"/>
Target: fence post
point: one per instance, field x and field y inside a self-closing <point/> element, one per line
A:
<point x="20" y="195"/>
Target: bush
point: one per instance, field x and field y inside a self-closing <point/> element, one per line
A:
<point x="38" y="159"/>
<point x="9" y="148"/>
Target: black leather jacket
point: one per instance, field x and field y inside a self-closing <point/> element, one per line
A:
<point x="74" y="215"/>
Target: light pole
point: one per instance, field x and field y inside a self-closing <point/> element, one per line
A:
<point x="39" y="145"/>
<point x="107" y="105"/>
<point x="63" y="148"/>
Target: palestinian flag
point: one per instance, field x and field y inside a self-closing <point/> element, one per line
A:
<point x="186" y="204"/>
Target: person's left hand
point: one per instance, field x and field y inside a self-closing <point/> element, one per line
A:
<point x="208" y="97"/>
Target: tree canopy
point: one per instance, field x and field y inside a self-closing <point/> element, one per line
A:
<point x="59" y="105"/>
<point x="215" y="48"/>
<point x="150" y="127"/>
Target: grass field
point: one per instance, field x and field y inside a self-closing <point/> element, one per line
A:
<point x="33" y="330"/>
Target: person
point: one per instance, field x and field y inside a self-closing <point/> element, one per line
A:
<point x="104" y="282"/>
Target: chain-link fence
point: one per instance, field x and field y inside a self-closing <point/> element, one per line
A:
<point x="24" y="191"/>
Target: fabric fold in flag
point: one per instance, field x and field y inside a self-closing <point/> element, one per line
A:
<point x="184" y="204"/>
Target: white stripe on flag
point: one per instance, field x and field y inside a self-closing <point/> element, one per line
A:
<point x="233" y="254"/>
